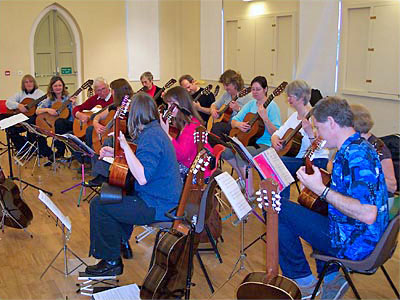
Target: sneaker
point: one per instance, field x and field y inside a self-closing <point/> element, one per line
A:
<point x="307" y="290"/>
<point x="336" y="288"/>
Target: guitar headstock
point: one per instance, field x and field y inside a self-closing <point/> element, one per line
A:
<point x="87" y="84"/>
<point x="199" y="165"/>
<point x="170" y="83"/>
<point x="207" y="90"/>
<point x="167" y="114"/>
<point x="216" y="91"/>
<point x="124" y="108"/>
<point x="244" y="92"/>
<point x="268" y="196"/>
<point x="200" y="137"/>
<point x="279" y="89"/>
<point x="316" y="145"/>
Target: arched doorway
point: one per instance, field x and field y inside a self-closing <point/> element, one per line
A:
<point x="55" y="48"/>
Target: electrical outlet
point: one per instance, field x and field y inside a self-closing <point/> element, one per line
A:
<point x="20" y="73"/>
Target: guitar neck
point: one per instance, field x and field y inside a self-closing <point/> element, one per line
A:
<point x="297" y="129"/>
<point x="65" y="103"/>
<point x="159" y="93"/>
<point x="272" y="268"/>
<point x="36" y="102"/>
<point x="99" y="112"/>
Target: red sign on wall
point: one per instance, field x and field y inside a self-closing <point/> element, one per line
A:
<point x="7" y="73"/>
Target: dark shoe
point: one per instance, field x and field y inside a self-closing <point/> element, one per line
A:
<point x="106" y="268"/>
<point x="126" y="250"/>
<point x="97" y="181"/>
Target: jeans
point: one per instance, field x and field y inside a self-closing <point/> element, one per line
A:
<point x="293" y="164"/>
<point x="295" y="222"/>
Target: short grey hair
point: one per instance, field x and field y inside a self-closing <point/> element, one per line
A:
<point x="99" y="80"/>
<point x="335" y="107"/>
<point x="300" y="89"/>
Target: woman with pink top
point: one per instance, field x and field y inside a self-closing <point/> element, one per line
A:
<point x="186" y="120"/>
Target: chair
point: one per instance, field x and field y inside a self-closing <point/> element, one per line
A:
<point x="392" y="141"/>
<point x="383" y="251"/>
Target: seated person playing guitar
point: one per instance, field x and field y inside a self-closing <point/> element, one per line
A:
<point x="204" y="103"/>
<point x="271" y="118"/>
<point x="56" y="92"/>
<point x="157" y="187"/>
<point x="29" y="89"/>
<point x="150" y="88"/>
<point x="357" y="205"/>
<point x="100" y="169"/>
<point x="101" y="97"/>
<point x="186" y="120"/>
<point x="299" y="93"/>
<point x="233" y="84"/>
<point x="363" y="123"/>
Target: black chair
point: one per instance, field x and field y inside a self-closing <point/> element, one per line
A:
<point x="383" y="252"/>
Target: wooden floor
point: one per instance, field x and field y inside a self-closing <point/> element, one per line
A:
<point x="23" y="259"/>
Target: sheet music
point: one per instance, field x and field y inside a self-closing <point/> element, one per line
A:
<point x="232" y="192"/>
<point x="13" y="120"/>
<point x="55" y="210"/>
<point x="278" y="166"/>
<point x="126" y="292"/>
<point x="108" y="159"/>
<point x="81" y="144"/>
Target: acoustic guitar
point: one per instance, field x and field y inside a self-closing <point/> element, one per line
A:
<point x="11" y="199"/>
<point x="256" y="123"/>
<point x="47" y="121"/>
<point x="292" y="138"/>
<point x="205" y="91"/>
<point x="167" y="277"/>
<point x="225" y="113"/>
<point x="170" y="83"/>
<point x="307" y="198"/>
<point x="30" y="105"/>
<point x="269" y="284"/>
<point x="119" y="168"/>
<point x="79" y="127"/>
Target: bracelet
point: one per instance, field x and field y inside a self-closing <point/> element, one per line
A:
<point x="324" y="194"/>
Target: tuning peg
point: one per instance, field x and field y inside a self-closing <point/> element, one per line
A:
<point x="258" y="193"/>
<point x="195" y="171"/>
<point x="203" y="169"/>
<point x="259" y="199"/>
<point x="260" y="205"/>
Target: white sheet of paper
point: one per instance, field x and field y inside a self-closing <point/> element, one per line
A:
<point x="279" y="166"/>
<point x="13" y="120"/>
<point x="232" y="192"/>
<point x="108" y="159"/>
<point x="55" y="210"/>
<point x="126" y="292"/>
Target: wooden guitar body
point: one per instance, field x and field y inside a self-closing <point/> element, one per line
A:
<point x="11" y="198"/>
<point x="256" y="131"/>
<point x="47" y="121"/>
<point x="166" y="278"/>
<point x="292" y="147"/>
<point x="79" y="127"/>
<point x="98" y="139"/>
<point x="309" y="199"/>
<point x="28" y="104"/>
<point x="119" y="169"/>
<point x="280" y="287"/>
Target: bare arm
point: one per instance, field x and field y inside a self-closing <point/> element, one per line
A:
<point x="388" y="171"/>
<point x="351" y="207"/>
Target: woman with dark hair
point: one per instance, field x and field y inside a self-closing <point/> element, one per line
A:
<point x="271" y="117"/>
<point x="56" y="92"/>
<point x="186" y="120"/>
<point x="157" y="187"/>
<point x="29" y="89"/>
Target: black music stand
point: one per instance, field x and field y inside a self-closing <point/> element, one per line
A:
<point x="239" y="148"/>
<point x="11" y="176"/>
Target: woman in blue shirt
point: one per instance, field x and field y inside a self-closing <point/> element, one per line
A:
<point x="157" y="187"/>
<point x="271" y="116"/>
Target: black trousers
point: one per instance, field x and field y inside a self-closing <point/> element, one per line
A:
<point x="112" y="223"/>
<point x="62" y="126"/>
<point x="15" y="133"/>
